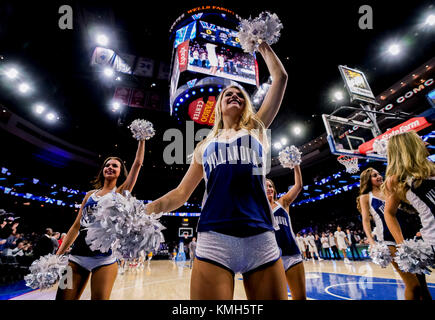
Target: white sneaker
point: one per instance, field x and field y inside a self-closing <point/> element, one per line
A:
<point x="346" y="260"/>
<point x="320" y="259"/>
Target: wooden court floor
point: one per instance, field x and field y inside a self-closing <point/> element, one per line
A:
<point x="326" y="280"/>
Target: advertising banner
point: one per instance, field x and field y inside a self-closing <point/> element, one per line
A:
<point x="415" y="124"/>
<point x="183" y="55"/>
<point x="202" y="112"/>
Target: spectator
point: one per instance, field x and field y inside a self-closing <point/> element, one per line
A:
<point x="318" y="244"/>
<point x="55" y="238"/>
<point x="352" y="245"/>
<point x="192" y="250"/>
<point x="301" y="244"/>
<point x="333" y="247"/>
<point x="5" y="229"/>
<point x="11" y="243"/>
<point x="325" y="246"/>
<point x="307" y="246"/>
<point x="61" y="239"/>
<point x="44" y="245"/>
<point x="312" y="247"/>
<point x="342" y="242"/>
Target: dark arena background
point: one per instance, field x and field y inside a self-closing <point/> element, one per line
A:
<point x="68" y="95"/>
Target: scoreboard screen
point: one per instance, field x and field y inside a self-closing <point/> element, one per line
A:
<point x="213" y="33"/>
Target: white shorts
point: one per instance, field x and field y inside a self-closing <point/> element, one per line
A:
<point x="236" y="254"/>
<point x="341" y="246"/>
<point x="290" y="261"/>
<point x="92" y="263"/>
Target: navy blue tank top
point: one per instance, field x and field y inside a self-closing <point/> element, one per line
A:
<point x="235" y="201"/>
<point x="285" y="236"/>
<point x="377" y="207"/>
<point x="80" y="247"/>
<point x="422" y="198"/>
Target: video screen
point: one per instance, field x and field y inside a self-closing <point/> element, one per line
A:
<point x="214" y="33"/>
<point x="220" y="61"/>
<point x="185" y="33"/>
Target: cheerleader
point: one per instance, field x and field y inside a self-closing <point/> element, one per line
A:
<point x="371" y="201"/>
<point x="290" y="253"/>
<point x="100" y="267"/>
<point x="236" y="227"/>
<point x="410" y="177"/>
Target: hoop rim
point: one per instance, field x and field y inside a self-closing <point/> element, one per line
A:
<point x="350" y="158"/>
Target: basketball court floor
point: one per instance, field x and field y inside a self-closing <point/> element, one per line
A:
<point x="325" y="280"/>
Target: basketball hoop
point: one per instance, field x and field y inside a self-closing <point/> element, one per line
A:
<point x="351" y="163"/>
<point x="185" y="234"/>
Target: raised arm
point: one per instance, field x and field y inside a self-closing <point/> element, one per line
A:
<point x="74" y="230"/>
<point x="287" y="199"/>
<point x="365" y="213"/>
<point x="272" y="102"/>
<point x="130" y="181"/>
<point x="178" y="196"/>
<point x="391" y="204"/>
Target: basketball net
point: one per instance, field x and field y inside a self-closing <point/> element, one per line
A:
<point x="351" y="163"/>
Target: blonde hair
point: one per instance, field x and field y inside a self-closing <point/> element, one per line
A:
<point x="248" y="120"/>
<point x="407" y="157"/>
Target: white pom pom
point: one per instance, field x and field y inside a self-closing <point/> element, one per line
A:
<point x="46" y="271"/>
<point x="122" y="224"/>
<point x="142" y="129"/>
<point x="380" y="146"/>
<point x="265" y="28"/>
<point x="415" y="256"/>
<point x="380" y="254"/>
<point x="290" y="157"/>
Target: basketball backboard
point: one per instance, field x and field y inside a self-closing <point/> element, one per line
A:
<point x="345" y="136"/>
<point x="185" y="231"/>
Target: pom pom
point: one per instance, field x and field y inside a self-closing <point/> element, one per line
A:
<point x="415" y="256"/>
<point x="46" y="271"/>
<point x="380" y="254"/>
<point x="121" y="224"/>
<point x="265" y="28"/>
<point x="380" y="146"/>
<point x="142" y="129"/>
<point x="290" y="157"/>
